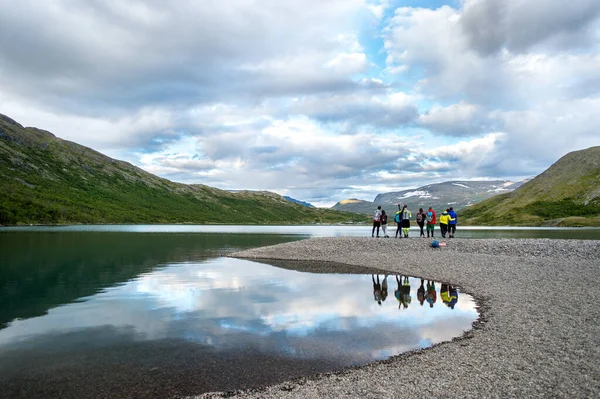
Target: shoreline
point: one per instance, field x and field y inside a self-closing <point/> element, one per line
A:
<point x="537" y="335"/>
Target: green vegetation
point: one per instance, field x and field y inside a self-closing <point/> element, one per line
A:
<point x="562" y="208"/>
<point x="46" y="180"/>
<point x="566" y="194"/>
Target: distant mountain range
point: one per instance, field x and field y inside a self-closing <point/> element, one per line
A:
<point x="47" y="180"/>
<point x="295" y="201"/>
<point x="457" y="194"/>
<point x="566" y="194"/>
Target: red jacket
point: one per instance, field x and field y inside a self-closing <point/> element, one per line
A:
<point x="434" y="220"/>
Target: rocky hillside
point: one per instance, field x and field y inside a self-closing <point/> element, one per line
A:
<point x="47" y="180"/>
<point x="458" y="194"/>
<point x="566" y="194"/>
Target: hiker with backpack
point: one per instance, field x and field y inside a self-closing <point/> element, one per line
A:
<point x="452" y="222"/>
<point x="430" y="217"/>
<point x="398" y="221"/>
<point x="376" y="221"/>
<point x="405" y="216"/>
<point x="421" y="221"/>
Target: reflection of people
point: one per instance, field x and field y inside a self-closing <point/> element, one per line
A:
<point x="449" y="295"/>
<point x="384" y="288"/>
<point x="397" y="293"/>
<point x="376" y="221"/>
<point x="431" y="295"/>
<point x="376" y="289"/>
<point x="403" y="292"/>
<point x="421" y="292"/>
<point x="453" y="297"/>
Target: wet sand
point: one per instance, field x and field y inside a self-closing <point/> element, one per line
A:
<point x="538" y="334"/>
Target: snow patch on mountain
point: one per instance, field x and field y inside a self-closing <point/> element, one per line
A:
<point x="420" y="194"/>
<point x="460" y="185"/>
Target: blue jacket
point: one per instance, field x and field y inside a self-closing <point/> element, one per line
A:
<point x="453" y="217"/>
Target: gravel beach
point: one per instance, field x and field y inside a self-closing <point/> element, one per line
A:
<point x="538" y="334"/>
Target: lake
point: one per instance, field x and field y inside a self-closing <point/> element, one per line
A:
<point x="151" y="311"/>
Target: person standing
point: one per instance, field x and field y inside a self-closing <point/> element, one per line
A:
<point x="376" y="221"/>
<point x="444" y="219"/>
<point x="421" y="221"/>
<point x="452" y="222"/>
<point x="383" y="219"/>
<point x="406" y="215"/>
<point x="430" y="217"/>
<point x="398" y="220"/>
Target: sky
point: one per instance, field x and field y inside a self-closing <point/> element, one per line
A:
<point x="318" y="100"/>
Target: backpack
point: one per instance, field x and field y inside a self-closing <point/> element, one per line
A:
<point x="419" y="217"/>
<point x="429" y="217"/>
<point x="397" y="218"/>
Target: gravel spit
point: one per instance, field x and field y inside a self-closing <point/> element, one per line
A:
<point x="538" y="334"/>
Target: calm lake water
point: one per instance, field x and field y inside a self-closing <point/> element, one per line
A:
<point x="157" y="310"/>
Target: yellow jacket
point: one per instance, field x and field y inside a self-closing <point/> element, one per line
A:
<point x="445" y="218"/>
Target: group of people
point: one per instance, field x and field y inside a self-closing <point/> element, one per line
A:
<point x="425" y="220"/>
<point x="425" y="293"/>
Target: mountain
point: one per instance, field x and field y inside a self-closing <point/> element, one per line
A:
<point x="295" y="201"/>
<point x="566" y="194"/>
<point x="516" y="185"/>
<point x="458" y="194"/>
<point x="47" y="180"/>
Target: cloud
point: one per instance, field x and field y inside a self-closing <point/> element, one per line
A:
<point x="317" y="100"/>
<point x="522" y="26"/>
<point x="103" y="55"/>
<point x="515" y="79"/>
<point x="456" y="120"/>
<point x="359" y="108"/>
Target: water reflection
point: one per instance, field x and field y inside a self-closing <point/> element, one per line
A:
<point x="229" y="304"/>
<point x="42" y="270"/>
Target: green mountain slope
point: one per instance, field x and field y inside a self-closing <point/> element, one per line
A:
<point x="566" y="194"/>
<point x="46" y="180"/>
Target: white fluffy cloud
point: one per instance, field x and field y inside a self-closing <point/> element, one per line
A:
<point x="318" y="100"/>
<point x="507" y="67"/>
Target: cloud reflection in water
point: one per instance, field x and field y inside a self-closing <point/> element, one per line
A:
<point x="232" y="304"/>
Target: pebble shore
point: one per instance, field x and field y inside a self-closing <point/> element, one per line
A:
<point x="538" y="334"/>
